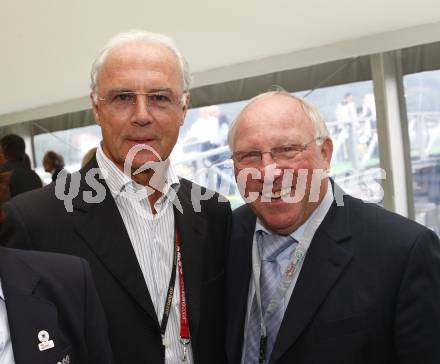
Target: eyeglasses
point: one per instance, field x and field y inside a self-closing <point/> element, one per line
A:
<point x="123" y="103"/>
<point x="285" y="152"/>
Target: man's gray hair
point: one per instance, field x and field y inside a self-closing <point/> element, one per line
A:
<point x="142" y="36"/>
<point x="309" y="109"/>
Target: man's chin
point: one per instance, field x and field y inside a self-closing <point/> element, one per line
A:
<point x="280" y="227"/>
<point x="142" y="160"/>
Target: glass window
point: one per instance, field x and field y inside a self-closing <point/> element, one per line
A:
<point x="422" y="94"/>
<point x="72" y="144"/>
<point x="202" y="153"/>
<point x="350" y="114"/>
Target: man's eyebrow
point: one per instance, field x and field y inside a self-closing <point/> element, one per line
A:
<point x="120" y="90"/>
<point x="164" y="89"/>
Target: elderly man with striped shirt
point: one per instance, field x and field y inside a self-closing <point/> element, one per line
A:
<point x="157" y="261"/>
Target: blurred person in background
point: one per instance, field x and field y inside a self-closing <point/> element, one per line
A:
<point x="53" y="163"/>
<point x="5" y="178"/>
<point x="88" y="156"/>
<point x="12" y="151"/>
<point x="27" y="161"/>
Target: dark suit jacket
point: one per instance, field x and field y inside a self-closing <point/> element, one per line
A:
<point x="55" y="293"/>
<point x="96" y="232"/>
<point x="55" y="174"/>
<point x="368" y="291"/>
<point x="23" y="179"/>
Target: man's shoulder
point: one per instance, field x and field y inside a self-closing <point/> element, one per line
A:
<point x="71" y="186"/>
<point x="242" y="211"/>
<point x="385" y="225"/>
<point x="188" y="187"/>
<point x="35" y="198"/>
<point x="208" y="199"/>
<point x="59" y="266"/>
<point x="35" y="177"/>
<point x="242" y="218"/>
<point x="38" y="209"/>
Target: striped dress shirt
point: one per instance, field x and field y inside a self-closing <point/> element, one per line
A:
<point x="152" y="238"/>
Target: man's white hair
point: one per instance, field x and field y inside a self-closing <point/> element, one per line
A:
<point x="309" y="109"/>
<point x="141" y="36"/>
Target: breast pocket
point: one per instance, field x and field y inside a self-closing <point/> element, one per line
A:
<point x="344" y="326"/>
<point x="347" y="340"/>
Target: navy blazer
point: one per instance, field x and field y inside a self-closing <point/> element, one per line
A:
<point x="54" y="293"/>
<point x="368" y="291"/>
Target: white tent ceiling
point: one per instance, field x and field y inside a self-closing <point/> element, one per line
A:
<point x="47" y="46"/>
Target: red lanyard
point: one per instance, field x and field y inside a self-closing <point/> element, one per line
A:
<point x="184" y="323"/>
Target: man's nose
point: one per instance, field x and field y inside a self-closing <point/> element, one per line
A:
<point x="142" y="114"/>
<point x="269" y="167"/>
<point x="266" y="159"/>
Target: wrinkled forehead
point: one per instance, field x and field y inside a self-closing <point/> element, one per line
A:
<point x="140" y="50"/>
<point x="141" y="55"/>
<point x="275" y="117"/>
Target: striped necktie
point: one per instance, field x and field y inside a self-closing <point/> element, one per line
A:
<point x="271" y="246"/>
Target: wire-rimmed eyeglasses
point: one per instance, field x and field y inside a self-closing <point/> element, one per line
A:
<point x="281" y="153"/>
<point x="124" y="102"/>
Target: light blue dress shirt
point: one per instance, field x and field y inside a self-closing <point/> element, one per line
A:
<point x="284" y="258"/>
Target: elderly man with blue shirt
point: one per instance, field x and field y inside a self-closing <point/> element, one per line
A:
<point x="312" y="277"/>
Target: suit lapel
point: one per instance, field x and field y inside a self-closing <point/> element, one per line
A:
<point x="28" y="314"/>
<point x="239" y="274"/>
<point x="193" y="231"/>
<point x="325" y="261"/>
<point x="101" y="226"/>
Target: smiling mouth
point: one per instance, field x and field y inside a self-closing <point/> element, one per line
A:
<point x="276" y="195"/>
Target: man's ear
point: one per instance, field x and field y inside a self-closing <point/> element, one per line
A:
<point x="95" y="108"/>
<point x="185" y="106"/>
<point x="327" y="150"/>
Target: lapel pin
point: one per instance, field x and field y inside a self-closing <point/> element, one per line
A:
<point x="45" y="343"/>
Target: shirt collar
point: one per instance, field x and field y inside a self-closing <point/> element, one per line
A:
<point x="117" y="181"/>
<point x="323" y="207"/>
<point x="2" y="296"/>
